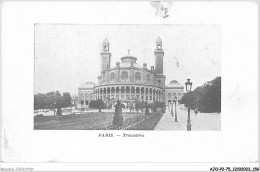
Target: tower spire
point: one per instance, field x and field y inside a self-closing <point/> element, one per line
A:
<point x="159" y="53"/>
<point x="105" y="56"/>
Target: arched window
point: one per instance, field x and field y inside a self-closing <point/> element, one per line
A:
<point x="138" y="90"/>
<point x="127" y="90"/>
<point x="169" y="95"/>
<point x="132" y="89"/>
<point x="105" y="47"/>
<point x="122" y="90"/>
<point x="112" y="76"/>
<point x="179" y="94"/>
<point x="124" y="75"/>
<point x="81" y="96"/>
<point x="137" y="76"/>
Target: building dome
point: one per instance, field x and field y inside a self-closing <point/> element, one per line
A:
<point x="87" y="85"/>
<point x="128" y="64"/>
<point x="128" y="58"/>
<point x="174" y="84"/>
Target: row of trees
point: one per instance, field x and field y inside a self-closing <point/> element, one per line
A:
<point x="138" y="105"/>
<point x="52" y="100"/>
<point x="206" y="98"/>
<point x="141" y="105"/>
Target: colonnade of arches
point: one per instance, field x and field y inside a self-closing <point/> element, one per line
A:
<point x="128" y="93"/>
<point x="85" y="98"/>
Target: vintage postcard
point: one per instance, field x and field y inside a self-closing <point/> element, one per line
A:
<point x="142" y="80"/>
<point x="129" y="86"/>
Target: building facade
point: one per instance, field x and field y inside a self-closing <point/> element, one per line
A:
<point x="86" y="93"/>
<point x="127" y="81"/>
<point x="173" y="89"/>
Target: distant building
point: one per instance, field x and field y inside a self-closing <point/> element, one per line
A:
<point x="74" y="99"/>
<point x="173" y="89"/>
<point x="86" y="93"/>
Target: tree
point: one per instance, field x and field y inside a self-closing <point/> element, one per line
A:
<point x="146" y="108"/>
<point x="59" y="100"/>
<point x="152" y="106"/>
<point x="118" y="117"/>
<point x="51" y="93"/>
<point x="57" y="93"/>
<point x="143" y="106"/>
<point x="98" y="104"/>
<point x="59" y="111"/>
<point x="67" y="98"/>
<point x="137" y="105"/>
<point x="207" y="98"/>
<point x="43" y="101"/>
<point x="156" y="105"/>
<point x="210" y="101"/>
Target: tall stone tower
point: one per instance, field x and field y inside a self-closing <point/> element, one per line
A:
<point x="159" y="53"/>
<point x="159" y="77"/>
<point x="105" y="56"/>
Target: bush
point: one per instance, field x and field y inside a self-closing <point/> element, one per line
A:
<point x="156" y="105"/>
<point x="52" y="100"/>
<point x="118" y="117"/>
<point x="41" y="115"/>
<point x="59" y="112"/>
<point x="206" y="98"/>
<point x="139" y="105"/>
<point x="97" y="104"/>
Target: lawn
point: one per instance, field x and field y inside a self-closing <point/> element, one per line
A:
<point x="86" y="121"/>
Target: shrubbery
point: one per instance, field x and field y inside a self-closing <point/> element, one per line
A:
<point x="98" y="104"/>
<point x="206" y="98"/>
<point x="52" y="100"/>
<point x="118" y="117"/>
<point x="145" y="125"/>
<point x="139" y="105"/>
<point x="156" y="105"/>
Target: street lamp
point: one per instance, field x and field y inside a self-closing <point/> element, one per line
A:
<point x="172" y="109"/>
<point x="54" y="105"/>
<point x="188" y="85"/>
<point x="175" y="100"/>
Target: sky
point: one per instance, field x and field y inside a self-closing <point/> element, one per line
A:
<point x="67" y="56"/>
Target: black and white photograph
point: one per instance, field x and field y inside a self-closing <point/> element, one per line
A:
<point x="127" y="77"/>
<point x="129" y="85"/>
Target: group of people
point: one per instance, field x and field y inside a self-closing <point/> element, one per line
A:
<point x="196" y="110"/>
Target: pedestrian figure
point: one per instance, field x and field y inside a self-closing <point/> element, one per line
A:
<point x="196" y="111"/>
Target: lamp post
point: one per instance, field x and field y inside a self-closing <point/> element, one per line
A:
<point x="54" y="105"/>
<point x="188" y="85"/>
<point x="172" y="109"/>
<point x="175" y="100"/>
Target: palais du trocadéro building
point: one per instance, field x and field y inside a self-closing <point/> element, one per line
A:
<point x="128" y="81"/>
